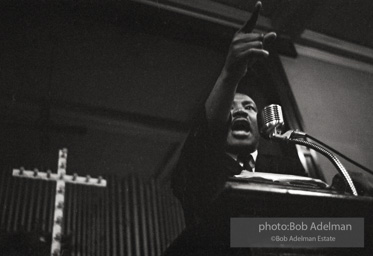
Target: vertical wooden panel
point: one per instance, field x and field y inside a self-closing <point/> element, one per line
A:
<point x="135" y="217"/>
<point x="102" y="224"/>
<point x="157" y="232"/>
<point x="161" y="219"/>
<point x="18" y="200"/>
<point x="7" y="190"/>
<point x="120" y="219"/>
<point x="2" y="191"/>
<point x="50" y="204"/>
<point x="179" y="217"/>
<point x="12" y="206"/>
<point x="107" y="219"/>
<point x="150" y="221"/>
<point x="84" y="221"/>
<point x="90" y="207"/>
<point x="67" y="209"/>
<point x="143" y="224"/>
<point x="127" y="207"/>
<point x="90" y="223"/>
<point x="73" y="219"/>
<point x="32" y="207"/>
<point x="129" y="217"/>
<point x="39" y="207"/>
<point x="43" y="197"/>
<point x="78" y="230"/>
<point x="171" y="211"/>
<point x="96" y="230"/>
<point x="112" y="189"/>
<point x="166" y="213"/>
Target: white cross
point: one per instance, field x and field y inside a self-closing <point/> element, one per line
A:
<point x="61" y="178"/>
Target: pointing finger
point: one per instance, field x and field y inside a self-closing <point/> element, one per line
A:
<point x="269" y="38"/>
<point x="250" y="24"/>
<point x="248" y="37"/>
<point x="250" y="45"/>
<point x="254" y="53"/>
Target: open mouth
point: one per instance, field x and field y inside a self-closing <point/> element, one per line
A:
<point x="241" y="127"/>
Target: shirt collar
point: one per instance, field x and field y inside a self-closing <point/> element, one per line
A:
<point x="253" y="154"/>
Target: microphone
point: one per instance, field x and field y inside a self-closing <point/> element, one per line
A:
<point x="272" y="121"/>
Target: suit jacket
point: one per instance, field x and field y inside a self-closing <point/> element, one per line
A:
<point x="199" y="178"/>
<point x="204" y="167"/>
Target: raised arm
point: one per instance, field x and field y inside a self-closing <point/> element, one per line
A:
<point x="246" y="48"/>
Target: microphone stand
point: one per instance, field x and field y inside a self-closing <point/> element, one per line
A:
<point x="295" y="137"/>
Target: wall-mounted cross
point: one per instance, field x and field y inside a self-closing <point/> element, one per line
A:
<point x="61" y="178"/>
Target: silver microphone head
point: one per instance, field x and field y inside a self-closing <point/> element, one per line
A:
<point x="272" y="121"/>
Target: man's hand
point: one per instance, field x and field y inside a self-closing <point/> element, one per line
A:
<point x="247" y="47"/>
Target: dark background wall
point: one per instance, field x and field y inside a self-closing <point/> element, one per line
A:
<point x="116" y="84"/>
<point x="117" y="89"/>
<point x="335" y="96"/>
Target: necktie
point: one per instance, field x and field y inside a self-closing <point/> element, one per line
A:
<point x="247" y="161"/>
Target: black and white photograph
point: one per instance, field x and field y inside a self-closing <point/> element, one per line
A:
<point x="186" y="127"/>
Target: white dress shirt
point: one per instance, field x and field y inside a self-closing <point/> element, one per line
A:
<point x="254" y="155"/>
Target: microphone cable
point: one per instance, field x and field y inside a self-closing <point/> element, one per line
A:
<point x="340" y="154"/>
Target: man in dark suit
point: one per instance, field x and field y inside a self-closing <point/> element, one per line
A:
<point x="209" y="158"/>
<point x="225" y="139"/>
<point x="223" y="143"/>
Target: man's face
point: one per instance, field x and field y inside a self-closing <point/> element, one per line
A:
<point x="243" y="135"/>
